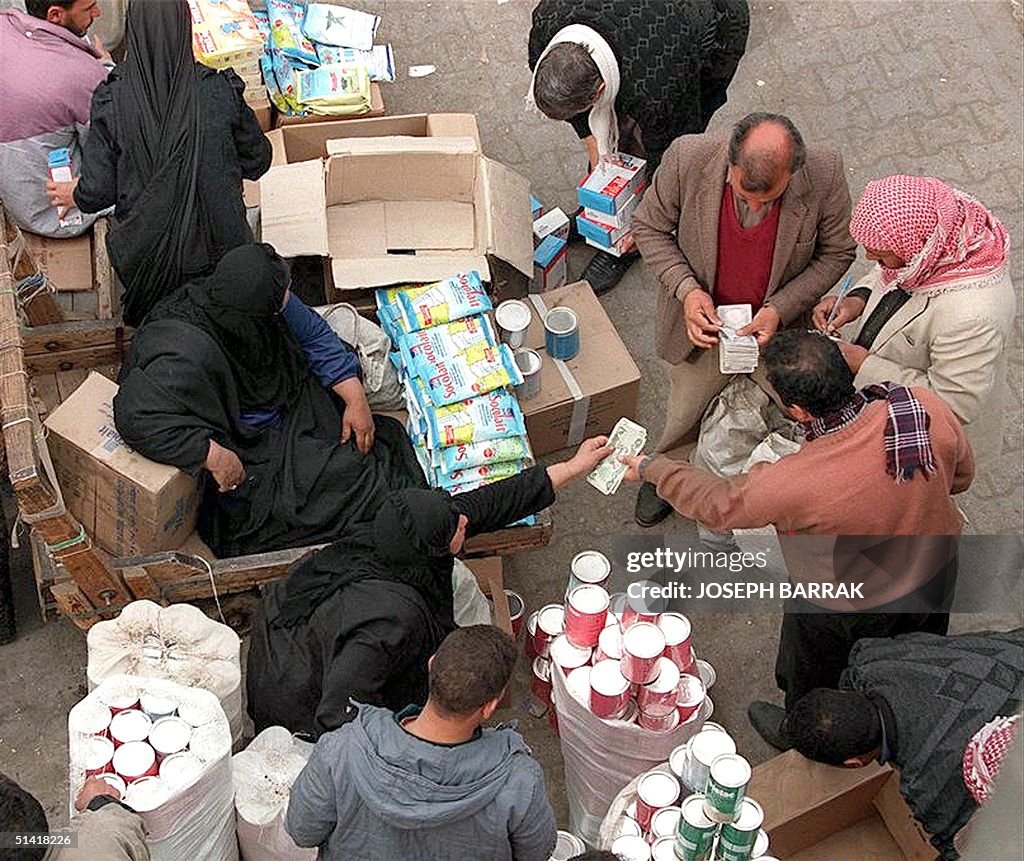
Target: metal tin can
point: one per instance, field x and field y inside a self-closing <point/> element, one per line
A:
<point x="181" y="769"/>
<point x="736" y="839"/>
<point x="703" y="748"/>
<point x="562" y="334"/>
<point x="147" y="793"/>
<point x="529" y="363"/>
<point x="567" y="846"/>
<point x="513" y="319"/>
<point x="654" y="790"/>
<point x="540" y="683"/>
<point x="119" y="698"/>
<point x="631" y="848"/>
<point x="589" y="567"/>
<point x="568" y="656"/>
<point x="531" y="634"/>
<point x="156" y="707"/>
<point x="89" y="717"/>
<point x="516" y="611"/>
<point x="631" y="617"/>
<point x="658" y="698"/>
<point x="609" y="690"/>
<point x="665" y="822"/>
<point x="170" y="735"/>
<point x="95" y="754"/>
<point x="195" y="713"/>
<point x="550" y="624"/>
<point x="585" y="611"/>
<point x="135" y="759"/>
<point x="727" y="783"/>
<point x="116" y="782"/>
<point x="676" y="628"/>
<point x="690" y="694"/>
<point x="709" y="724"/>
<point x="642" y="645"/>
<point x="609" y="644"/>
<point x="129" y="725"/>
<point x="577" y="682"/>
<point x="696" y="835"/>
<point x="658" y="722"/>
<point x="760" y="844"/>
<point x="664" y="849"/>
<point x="707" y="674"/>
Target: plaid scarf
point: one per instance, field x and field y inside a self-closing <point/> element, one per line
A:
<point x="908" y="447"/>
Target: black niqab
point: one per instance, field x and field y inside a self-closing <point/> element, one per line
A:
<point x="159" y="129"/>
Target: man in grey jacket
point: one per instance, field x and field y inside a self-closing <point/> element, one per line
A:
<point x="431" y="784"/>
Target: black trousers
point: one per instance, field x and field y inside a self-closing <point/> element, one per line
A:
<point x="814" y="644"/>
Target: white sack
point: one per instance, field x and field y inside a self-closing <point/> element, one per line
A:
<point x="180" y="643"/>
<point x="197" y="821"/>
<point x="263" y="775"/>
<point x="380" y="377"/>
<point x="470" y="603"/>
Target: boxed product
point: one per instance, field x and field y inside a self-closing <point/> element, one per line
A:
<point x="609" y="186"/>
<point x="224" y="33"/>
<point x="588" y="394"/>
<point x="815" y="812"/>
<point x="397" y="200"/>
<point x="623" y="217"/>
<point x="597" y="231"/>
<point x="536" y="207"/>
<point x="553" y="223"/>
<point x="622" y="246"/>
<point x="128" y="504"/>
<point x="549" y="265"/>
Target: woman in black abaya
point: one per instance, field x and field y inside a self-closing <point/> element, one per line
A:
<point x="216" y="380"/>
<point x="169" y="143"/>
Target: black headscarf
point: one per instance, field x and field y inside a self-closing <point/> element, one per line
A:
<point x="408" y="542"/>
<point x="238" y="307"/>
<point x="159" y="131"/>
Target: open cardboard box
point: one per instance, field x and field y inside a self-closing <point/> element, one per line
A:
<point x="815" y="812"/>
<point x="395" y="200"/>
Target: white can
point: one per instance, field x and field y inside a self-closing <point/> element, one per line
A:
<point x="170" y="735"/>
<point x="115" y="782"/>
<point x="578" y="683"/>
<point x="664" y="849"/>
<point x="704" y="748"/>
<point x="630" y="848"/>
<point x="146" y="793"/>
<point x="513" y="319"/>
<point x="568" y="656"/>
<point x="89" y="717"/>
<point x="589" y="567"/>
<point x="529" y="363"/>
<point x="642" y="645"/>
<point x="130" y="725"/>
<point x="156" y="707"/>
<point x="665" y="821"/>
<point x="181" y="769"/>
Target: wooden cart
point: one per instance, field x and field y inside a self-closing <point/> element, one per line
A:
<point x="40" y="365"/>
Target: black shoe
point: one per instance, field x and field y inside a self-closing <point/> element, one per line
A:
<point x="650" y="509"/>
<point x="770" y="722"/>
<point x="574" y="234"/>
<point x="605" y="270"/>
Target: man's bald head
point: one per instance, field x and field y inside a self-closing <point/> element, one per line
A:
<point x="766" y="149"/>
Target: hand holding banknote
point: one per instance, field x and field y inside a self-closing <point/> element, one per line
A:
<point x="627" y="438"/>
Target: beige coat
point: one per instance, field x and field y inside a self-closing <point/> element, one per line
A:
<point x="676" y="230"/>
<point x="954" y="344"/>
<point x="108" y="834"/>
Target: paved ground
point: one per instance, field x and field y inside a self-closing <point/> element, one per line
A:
<point x="926" y="87"/>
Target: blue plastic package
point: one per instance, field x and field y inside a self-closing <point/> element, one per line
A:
<point x="475" y="371"/>
<point x="456" y="457"/>
<point x="495" y="415"/>
<point x="443" y="342"/>
<point x="460" y="296"/>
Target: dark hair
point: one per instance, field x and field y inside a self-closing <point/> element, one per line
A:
<point x="762" y="169"/>
<point x="831" y="726"/>
<point x="566" y="81"/>
<point x="19" y="811"/>
<point x="472" y="667"/>
<point x="39" y="8"/>
<point x="808" y="370"/>
<point x="597" y="855"/>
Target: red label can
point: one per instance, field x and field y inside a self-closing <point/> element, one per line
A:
<point x="690" y="695"/>
<point x="95" y="754"/>
<point x="585" y="613"/>
<point x="568" y="656"/>
<point x="516" y="611"/>
<point x="135" y="759"/>
<point x="609" y="644"/>
<point x="129" y="725"/>
<point x="654" y="790"/>
<point x="677" y="630"/>
<point x="609" y="690"/>
<point x="642" y="645"/>
<point x="550" y="624"/>
<point x="540" y="684"/>
<point x="658" y="698"/>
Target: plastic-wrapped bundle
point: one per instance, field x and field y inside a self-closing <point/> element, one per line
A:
<point x="476" y="371"/>
<point x="460" y="296"/>
<point x="263" y="775"/>
<point x="330" y="24"/>
<point x="496" y="415"/>
<point x="379" y="60"/>
<point x="179" y="643"/>
<point x="389" y="311"/>
<point x="443" y="342"/>
<point x="191" y="817"/>
<point x="286" y="28"/>
<point x="480" y="475"/>
<point x="338" y="90"/>
<point x="456" y="457"/>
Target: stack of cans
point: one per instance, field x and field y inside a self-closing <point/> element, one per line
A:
<point x="695" y="807"/>
<point x="139" y="743"/>
<point x="622" y="664"/>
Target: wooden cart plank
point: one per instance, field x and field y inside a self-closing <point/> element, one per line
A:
<point x="103" y="273"/>
<point x="68" y="381"/>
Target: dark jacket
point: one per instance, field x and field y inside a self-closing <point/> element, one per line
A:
<point x="373" y="792"/>
<point x="234" y="147"/>
<point x="675" y="58"/>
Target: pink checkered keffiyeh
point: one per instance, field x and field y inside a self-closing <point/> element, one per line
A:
<point x="947" y="238"/>
<point x="985" y="754"/>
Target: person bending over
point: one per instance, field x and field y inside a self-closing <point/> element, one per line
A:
<point x="360" y="618"/>
<point x="431" y="783"/>
<point x="915" y="701"/>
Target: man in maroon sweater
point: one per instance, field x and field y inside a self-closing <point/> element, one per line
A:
<point x="872" y="485"/>
<point x="760" y="219"/>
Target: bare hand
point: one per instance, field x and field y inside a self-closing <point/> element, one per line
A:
<point x="590" y="453"/>
<point x="633" y="461"/>
<point x="225" y="467"/>
<point x="763" y="326"/>
<point x="702" y="323"/>
<point x="93" y="787"/>
<point x="849" y="309"/>
<point x="590" y="142"/>
<point x="854" y="355"/>
<point x="62" y="195"/>
<point x="358" y="422"/>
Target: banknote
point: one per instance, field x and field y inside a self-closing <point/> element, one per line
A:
<point x="737" y="354"/>
<point x="627" y="437"/>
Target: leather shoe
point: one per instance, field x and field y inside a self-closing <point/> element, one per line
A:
<point x="651" y="509"/>
<point x="605" y="270"/>
<point x="770" y="722"/>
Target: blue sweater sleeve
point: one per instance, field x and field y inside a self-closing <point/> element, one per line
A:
<point x="330" y="358"/>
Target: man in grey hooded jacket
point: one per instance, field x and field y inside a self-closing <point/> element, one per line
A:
<point x="431" y="785"/>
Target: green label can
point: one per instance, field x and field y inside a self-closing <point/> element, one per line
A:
<point x="737" y="839"/>
<point x="695" y="836"/>
<point x="727" y="783"/>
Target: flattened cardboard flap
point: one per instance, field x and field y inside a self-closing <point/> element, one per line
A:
<point x="509" y="222"/>
<point x="357" y="273"/>
<point x="294" y="204"/>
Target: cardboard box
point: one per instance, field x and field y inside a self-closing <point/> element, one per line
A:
<point x="604" y="235"/>
<point x="549" y="265"/>
<point x="128" y="505"/>
<point x="815" y="812"/>
<point x="622" y="246"/>
<point x="395" y="200"/>
<point x="265" y="117"/>
<point x="606" y="379"/>
<point x="536" y="207"/>
<point x="624" y="216"/>
<point x="609" y="187"/>
<point x="377" y="109"/>
<point x="553" y="223"/>
<point x="66" y="262"/>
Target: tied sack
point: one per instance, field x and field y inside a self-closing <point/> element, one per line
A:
<point x="380" y="378"/>
<point x="179" y="643"/>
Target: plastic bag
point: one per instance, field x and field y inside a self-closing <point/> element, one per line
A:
<point x="379" y="60"/>
<point x="461" y="457"/>
<point x="496" y="415"/>
<point x="603" y="756"/>
<point x="476" y="371"/>
<point x="443" y="342"/>
<point x="179" y="643"/>
<point x="338" y="25"/>
<point x="338" y="90"/>
<point x="470" y="604"/>
<point x="286" y="27"/>
<point x="466" y="479"/>
<point x="380" y="379"/>
<point x="460" y="296"/>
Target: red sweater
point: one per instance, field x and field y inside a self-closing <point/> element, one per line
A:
<point x="744" y="256"/>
